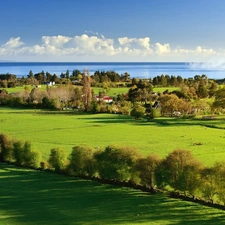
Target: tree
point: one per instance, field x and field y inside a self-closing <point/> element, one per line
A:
<point x="138" y="111"/>
<point x="146" y="169"/>
<point x="57" y="159"/>
<point x="86" y="90"/>
<point x="219" y="171"/>
<point x="6" y="148"/>
<point x="75" y="73"/>
<point x="209" y="185"/>
<point x="219" y="98"/>
<point x="116" y="163"/>
<point x="33" y="159"/>
<point x="36" y="95"/>
<point x="18" y="152"/>
<point x="67" y="75"/>
<point x="184" y="106"/>
<point x="140" y="91"/>
<point x="212" y="89"/>
<point x="31" y="79"/>
<point x="30" y="75"/>
<point x="202" y="91"/>
<point x="182" y="171"/>
<point x="81" y="161"/>
<point x="168" y="103"/>
<point x="25" y="156"/>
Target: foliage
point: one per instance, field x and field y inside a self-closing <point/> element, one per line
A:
<point x="19" y="152"/>
<point x="181" y="171"/>
<point x="81" y="161"/>
<point x="57" y="159"/>
<point x="116" y="163"/>
<point x="146" y="168"/>
<point x="6" y="148"/>
<point x="138" y="111"/>
<point x="154" y="113"/>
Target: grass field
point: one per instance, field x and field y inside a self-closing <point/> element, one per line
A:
<point x="48" y="129"/>
<point x="111" y="91"/>
<point x="31" y="197"/>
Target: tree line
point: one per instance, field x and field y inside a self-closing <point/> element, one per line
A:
<point x="191" y="98"/>
<point x="178" y="171"/>
<point x="98" y="78"/>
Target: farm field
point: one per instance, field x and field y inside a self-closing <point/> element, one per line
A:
<point x="49" y="129"/>
<point x="30" y="197"/>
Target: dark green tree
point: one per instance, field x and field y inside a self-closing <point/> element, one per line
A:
<point x="116" y="163"/>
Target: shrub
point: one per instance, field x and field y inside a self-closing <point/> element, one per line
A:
<point x="57" y="159"/>
<point x="138" y="111"/>
<point x="6" y="149"/>
<point x="81" y="161"/>
<point x="116" y="163"/>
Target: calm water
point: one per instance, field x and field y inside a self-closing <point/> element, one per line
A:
<point x="141" y="70"/>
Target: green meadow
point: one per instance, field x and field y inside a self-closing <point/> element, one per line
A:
<point x="32" y="197"/>
<point x="205" y="138"/>
<point x="111" y="91"/>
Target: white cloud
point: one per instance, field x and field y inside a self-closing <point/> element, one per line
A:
<point x="94" y="44"/>
<point x="162" y="49"/>
<point x="204" y="51"/>
<point x="96" y="47"/>
<point x="57" y="41"/>
<point x="13" y="43"/>
<point x="135" y="43"/>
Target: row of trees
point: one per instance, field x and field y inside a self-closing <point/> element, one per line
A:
<point x="111" y="78"/>
<point x="97" y="79"/>
<point x="55" y="97"/>
<point x="187" y="100"/>
<point x="176" y="81"/>
<point x="83" y="98"/>
<point x="179" y="170"/>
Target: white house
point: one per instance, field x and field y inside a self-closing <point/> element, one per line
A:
<point x="106" y="99"/>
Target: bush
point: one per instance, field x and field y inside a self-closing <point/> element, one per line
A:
<point x="154" y="113"/>
<point x="6" y="149"/>
<point x="81" y="161"/>
<point x="57" y="159"/>
<point x="24" y="156"/>
<point x="116" y="163"/>
<point x="138" y="111"/>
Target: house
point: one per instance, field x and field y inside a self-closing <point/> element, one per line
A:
<point x="106" y="99"/>
<point x="51" y="83"/>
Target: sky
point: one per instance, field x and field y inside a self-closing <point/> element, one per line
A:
<point x="112" y="30"/>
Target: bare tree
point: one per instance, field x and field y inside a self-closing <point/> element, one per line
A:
<point x="87" y="93"/>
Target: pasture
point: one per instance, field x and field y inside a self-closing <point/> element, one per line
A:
<point x="32" y="197"/>
<point x="48" y="129"/>
<point x="111" y="91"/>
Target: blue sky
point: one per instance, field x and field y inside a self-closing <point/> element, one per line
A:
<point x="119" y="30"/>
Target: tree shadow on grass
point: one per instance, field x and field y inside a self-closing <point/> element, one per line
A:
<point x="109" y="119"/>
<point x="36" y="197"/>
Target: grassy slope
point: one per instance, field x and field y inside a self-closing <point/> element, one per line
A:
<point x="48" y="129"/>
<point x="35" y="197"/>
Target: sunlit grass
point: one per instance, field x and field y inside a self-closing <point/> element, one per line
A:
<point x="111" y="91"/>
<point x="48" y="129"/>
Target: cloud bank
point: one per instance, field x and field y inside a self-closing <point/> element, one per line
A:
<point x="95" y="47"/>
